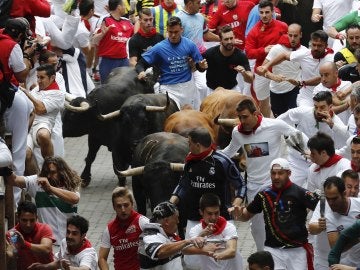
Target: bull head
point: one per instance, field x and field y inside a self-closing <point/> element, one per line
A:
<point x="159" y="108"/>
<point x="177" y="167"/>
<point x="84" y="105"/>
<point x="229" y="122"/>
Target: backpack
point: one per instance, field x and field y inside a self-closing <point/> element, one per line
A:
<point x="5" y="7"/>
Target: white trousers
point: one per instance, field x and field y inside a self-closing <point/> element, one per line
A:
<point x="17" y="122"/>
<point x="289" y="259"/>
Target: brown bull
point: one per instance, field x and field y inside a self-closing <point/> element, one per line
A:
<point x="183" y="121"/>
<point x="223" y="103"/>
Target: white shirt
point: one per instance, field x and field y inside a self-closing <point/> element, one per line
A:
<point x="336" y="222"/>
<point x="51" y="210"/>
<point x="316" y="179"/>
<point x="309" y="69"/>
<point x="209" y="263"/>
<point x="304" y="119"/>
<point x="267" y="137"/>
<point x="16" y="63"/>
<point x="86" y="257"/>
<point x="5" y="155"/>
<point x="53" y="101"/>
<point x="287" y="68"/>
<point x="344" y="116"/>
<point x="332" y="10"/>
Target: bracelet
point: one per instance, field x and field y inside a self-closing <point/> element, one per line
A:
<point x="27" y="245"/>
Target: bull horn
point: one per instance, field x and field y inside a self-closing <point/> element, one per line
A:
<point x="84" y="106"/>
<point x="226" y="122"/>
<point x="177" y="167"/>
<point x="69" y="97"/>
<point x="132" y="171"/>
<point x="159" y="108"/>
<point x="108" y="116"/>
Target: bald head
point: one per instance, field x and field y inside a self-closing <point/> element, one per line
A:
<point x="294" y="34"/>
<point x="329" y="74"/>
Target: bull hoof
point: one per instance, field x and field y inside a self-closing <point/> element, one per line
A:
<point x="85" y="181"/>
<point x="122" y="181"/>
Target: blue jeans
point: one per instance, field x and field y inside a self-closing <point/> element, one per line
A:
<point x="108" y="64"/>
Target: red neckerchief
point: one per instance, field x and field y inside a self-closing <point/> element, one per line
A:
<point x="327" y="51"/>
<point x="284" y="40"/>
<point x="280" y="191"/>
<point x="86" y="244"/>
<point x="201" y="156"/>
<point x="169" y="9"/>
<point x="354" y="167"/>
<point x="86" y="23"/>
<point x="331" y="161"/>
<point x="52" y="86"/>
<point x="336" y="85"/>
<point x="219" y="226"/>
<point x="241" y="130"/>
<point x="149" y="34"/>
<point x="175" y="237"/>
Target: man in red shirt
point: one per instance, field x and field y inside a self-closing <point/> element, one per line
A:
<point x="31" y="241"/>
<point x="112" y="38"/>
<point x="122" y="233"/>
<point x="234" y="13"/>
<point x="262" y="37"/>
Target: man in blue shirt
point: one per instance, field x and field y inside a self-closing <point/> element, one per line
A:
<point x="175" y="56"/>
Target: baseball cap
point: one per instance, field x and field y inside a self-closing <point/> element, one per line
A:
<point x="163" y="210"/>
<point x="280" y="164"/>
<point x="20" y="25"/>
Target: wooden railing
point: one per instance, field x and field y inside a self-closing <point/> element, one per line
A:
<point x="7" y="220"/>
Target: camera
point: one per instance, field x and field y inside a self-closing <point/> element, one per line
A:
<point x="38" y="47"/>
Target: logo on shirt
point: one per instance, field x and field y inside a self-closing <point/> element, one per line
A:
<point x="130" y="229"/>
<point x="211" y="171"/>
<point x="235" y="17"/>
<point x="254" y="150"/>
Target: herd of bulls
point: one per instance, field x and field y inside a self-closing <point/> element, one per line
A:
<point x="144" y="130"/>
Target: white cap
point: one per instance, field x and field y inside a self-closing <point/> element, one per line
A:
<point x="280" y="164"/>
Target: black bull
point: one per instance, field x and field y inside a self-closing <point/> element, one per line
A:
<point x="121" y="84"/>
<point x="138" y="118"/>
<point x="156" y="168"/>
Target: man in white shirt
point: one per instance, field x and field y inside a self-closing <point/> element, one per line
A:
<point x="261" y="138"/>
<point x="310" y="120"/>
<point x="339" y="89"/>
<point x="47" y="100"/>
<point x="340" y="213"/>
<point x="309" y="60"/>
<point x="216" y="228"/>
<point x="76" y="251"/>
<point x="283" y="94"/>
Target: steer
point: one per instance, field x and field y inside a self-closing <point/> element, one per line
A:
<point x="156" y="169"/>
<point x="82" y="116"/>
<point x="140" y="115"/>
<point x="157" y="166"/>
<point x="223" y="103"/>
<point x="183" y="121"/>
